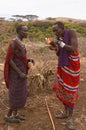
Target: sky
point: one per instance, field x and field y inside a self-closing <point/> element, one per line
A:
<point x="44" y="8"/>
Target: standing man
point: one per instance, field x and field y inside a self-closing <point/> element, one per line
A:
<point x="15" y="74"/>
<point x="68" y="71"/>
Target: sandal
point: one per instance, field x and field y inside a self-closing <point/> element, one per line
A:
<point x="61" y="116"/>
<point x="70" y="125"/>
<point x="12" y="119"/>
<point x="21" y="117"/>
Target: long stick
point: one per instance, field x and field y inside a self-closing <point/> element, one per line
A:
<point x="50" y="115"/>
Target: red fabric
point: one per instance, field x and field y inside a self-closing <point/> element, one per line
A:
<point x="67" y="81"/>
<point x="9" y="56"/>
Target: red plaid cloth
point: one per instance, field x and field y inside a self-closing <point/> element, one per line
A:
<point x="10" y="53"/>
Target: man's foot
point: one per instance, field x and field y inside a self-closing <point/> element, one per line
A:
<point x="61" y="116"/>
<point x="21" y="117"/>
<point x="11" y="119"/>
<point x="70" y="125"/>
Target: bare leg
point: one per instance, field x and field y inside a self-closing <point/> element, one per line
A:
<point x="14" y="112"/>
<point x="70" y="114"/>
<point x="70" y="123"/>
<point x="66" y="112"/>
<point x="63" y="114"/>
<point x="9" y="112"/>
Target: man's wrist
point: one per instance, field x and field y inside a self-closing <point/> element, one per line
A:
<point x="61" y="44"/>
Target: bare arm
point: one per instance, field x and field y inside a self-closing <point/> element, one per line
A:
<point x="13" y="65"/>
<point x="74" y="42"/>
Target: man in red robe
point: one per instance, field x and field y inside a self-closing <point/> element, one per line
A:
<point x="68" y="70"/>
<point x="15" y="74"/>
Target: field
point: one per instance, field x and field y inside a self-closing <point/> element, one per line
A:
<point x="40" y="79"/>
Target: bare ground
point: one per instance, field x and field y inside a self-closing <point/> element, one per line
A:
<point x="37" y="117"/>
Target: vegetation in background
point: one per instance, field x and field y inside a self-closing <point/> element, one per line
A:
<point x="37" y="30"/>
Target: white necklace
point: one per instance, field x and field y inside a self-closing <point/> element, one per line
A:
<point x="19" y="40"/>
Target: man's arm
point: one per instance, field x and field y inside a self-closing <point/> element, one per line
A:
<point x="73" y="40"/>
<point x="13" y="65"/>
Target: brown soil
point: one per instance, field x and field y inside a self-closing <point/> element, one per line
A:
<point x="35" y="109"/>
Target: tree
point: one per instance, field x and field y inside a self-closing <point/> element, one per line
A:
<point x="2" y="18"/>
<point x="18" y="17"/>
<point x="31" y="17"/>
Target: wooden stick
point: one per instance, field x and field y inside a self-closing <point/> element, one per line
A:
<point x="50" y="115"/>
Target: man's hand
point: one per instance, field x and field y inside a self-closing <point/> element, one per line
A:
<point x="48" y="40"/>
<point x="31" y="60"/>
<point x="22" y="75"/>
<point x="52" y="47"/>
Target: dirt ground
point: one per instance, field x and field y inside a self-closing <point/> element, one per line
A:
<point x="37" y="117"/>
